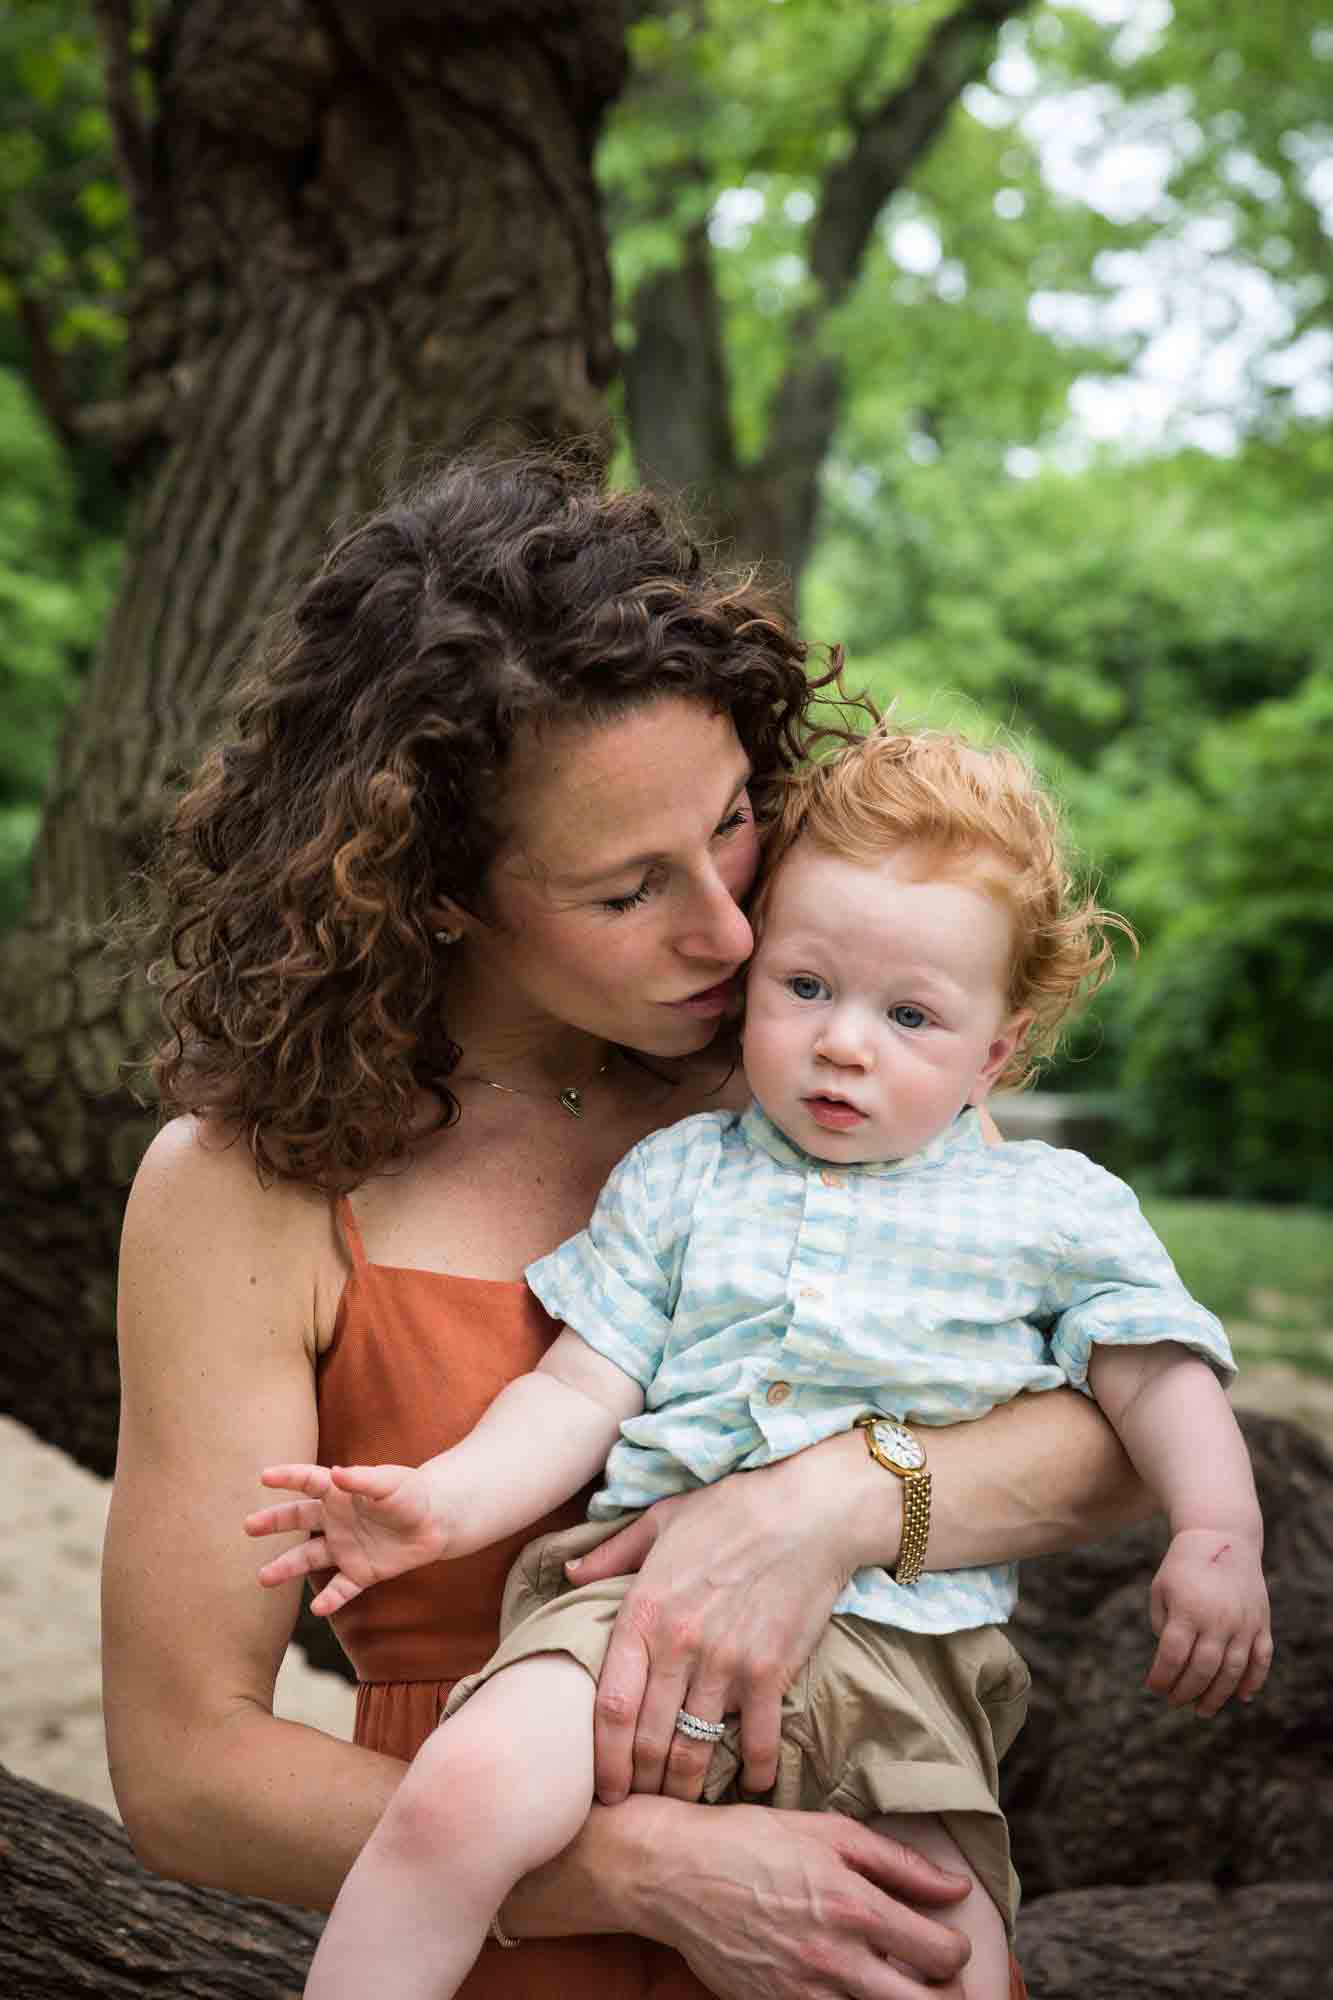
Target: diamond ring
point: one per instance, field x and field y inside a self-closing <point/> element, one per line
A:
<point x="695" y="1727"/>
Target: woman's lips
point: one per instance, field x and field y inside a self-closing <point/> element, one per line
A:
<point x="712" y="1000"/>
<point x="833" y="1114"/>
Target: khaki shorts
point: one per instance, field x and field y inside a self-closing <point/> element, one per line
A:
<point x="879" y="1721"/>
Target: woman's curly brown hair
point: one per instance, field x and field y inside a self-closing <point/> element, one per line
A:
<point x="979" y="812"/>
<point x="302" y="989"/>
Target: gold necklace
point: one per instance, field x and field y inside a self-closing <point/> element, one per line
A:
<point x="570" y="1098"/>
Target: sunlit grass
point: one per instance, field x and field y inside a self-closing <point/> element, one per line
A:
<point x="1266" y="1272"/>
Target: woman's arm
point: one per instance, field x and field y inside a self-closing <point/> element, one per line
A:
<point x="217" y="1306"/>
<point x="737" y="1581"/>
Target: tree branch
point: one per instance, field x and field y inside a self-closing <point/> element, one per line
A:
<point x="79" y="1917"/>
<point x="46" y="373"/>
<point x="895" y="135"/>
<point x="115" y="26"/>
<point x="891" y="139"/>
<point x="676" y="391"/>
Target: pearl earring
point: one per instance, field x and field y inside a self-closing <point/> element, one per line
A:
<point x="446" y="937"/>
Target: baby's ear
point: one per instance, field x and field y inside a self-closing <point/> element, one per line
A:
<point x="1011" y="1037"/>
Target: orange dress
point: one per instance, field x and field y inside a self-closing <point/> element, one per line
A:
<point x="415" y="1359"/>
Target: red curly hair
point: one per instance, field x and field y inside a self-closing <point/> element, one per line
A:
<point x="978" y="813"/>
<point x="304" y="995"/>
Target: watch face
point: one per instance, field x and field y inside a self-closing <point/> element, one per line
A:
<point x="899" y="1445"/>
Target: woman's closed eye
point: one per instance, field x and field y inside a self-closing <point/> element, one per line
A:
<point x="621" y="903"/>
<point x="740" y="816"/>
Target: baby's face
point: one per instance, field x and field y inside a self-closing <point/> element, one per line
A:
<point x="875" y="1006"/>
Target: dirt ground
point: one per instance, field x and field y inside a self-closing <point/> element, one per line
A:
<point x="52" y="1517"/>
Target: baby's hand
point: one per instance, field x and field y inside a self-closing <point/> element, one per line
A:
<point x="364" y="1522"/>
<point x="1210" y="1614"/>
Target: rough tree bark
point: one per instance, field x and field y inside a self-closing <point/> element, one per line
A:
<point x="370" y="232"/>
<point x="1162" y="1857"/>
<point x="675" y="370"/>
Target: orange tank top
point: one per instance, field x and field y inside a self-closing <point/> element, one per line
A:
<point x="416" y="1357"/>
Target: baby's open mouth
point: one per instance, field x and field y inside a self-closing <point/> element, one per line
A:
<point x="834" y="1112"/>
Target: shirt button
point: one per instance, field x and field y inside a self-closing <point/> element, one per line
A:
<point x="833" y="1180"/>
<point x="779" y="1392"/>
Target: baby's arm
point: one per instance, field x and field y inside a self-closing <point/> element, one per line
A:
<point x="1209" y="1603"/>
<point x="545" y="1435"/>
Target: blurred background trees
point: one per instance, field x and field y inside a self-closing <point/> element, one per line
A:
<point x="1005" y="327"/>
<point x="1063" y="451"/>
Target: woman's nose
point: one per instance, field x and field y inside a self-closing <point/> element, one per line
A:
<point x="715" y="927"/>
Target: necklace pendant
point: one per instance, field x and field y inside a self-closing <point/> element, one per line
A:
<point x="572" y="1100"/>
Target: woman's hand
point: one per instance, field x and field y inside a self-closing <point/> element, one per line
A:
<point x="772" y="1905"/>
<point x="736" y="1583"/>
<point x="737" y="1579"/>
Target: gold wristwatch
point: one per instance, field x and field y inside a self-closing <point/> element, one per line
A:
<point x="901" y="1452"/>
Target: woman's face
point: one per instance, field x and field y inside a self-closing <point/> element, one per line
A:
<point x="612" y="906"/>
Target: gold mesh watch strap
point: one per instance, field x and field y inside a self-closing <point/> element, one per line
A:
<point x="916" y="1502"/>
<point x="916" y="1527"/>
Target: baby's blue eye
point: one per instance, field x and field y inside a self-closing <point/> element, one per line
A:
<point x="805" y="986"/>
<point x="907" y="1016"/>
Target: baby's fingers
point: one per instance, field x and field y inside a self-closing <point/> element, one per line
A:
<point x="303" y="1514"/>
<point x="311" y="1479"/>
<point x="339" y="1590"/>
<point x="1256" y="1673"/>
<point x="1235" y="1661"/>
<point x="372" y="1482"/>
<point x="1198" y="1673"/>
<point x="306" y="1556"/>
<point x="1174" y="1647"/>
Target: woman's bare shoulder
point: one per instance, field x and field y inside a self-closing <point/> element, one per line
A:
<point x="191" y="1160"/>
<point x="199" y="1207"/>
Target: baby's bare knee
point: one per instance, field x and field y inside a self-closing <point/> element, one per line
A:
<point x="470" y="1791"/>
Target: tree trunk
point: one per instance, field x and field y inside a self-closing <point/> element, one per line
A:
<point x="371" y="235"/>
<point x="78" y="1916"/>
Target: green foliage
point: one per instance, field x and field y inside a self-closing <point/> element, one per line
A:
<point x="64" y="227"/>
<point x="1162" y="635"/>
<point x="1107" y="611"/>
<point x="1231" y="1017"/>
<point x="1267" y="1272"/>
<point x="55" y="586"/>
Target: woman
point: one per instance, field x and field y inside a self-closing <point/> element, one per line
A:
<point x="455" y="920"/>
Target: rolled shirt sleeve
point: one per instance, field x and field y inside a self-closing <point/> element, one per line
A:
<point x="1115" y="1284"/>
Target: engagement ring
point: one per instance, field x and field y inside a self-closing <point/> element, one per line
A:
<point x="701" y="1731"/>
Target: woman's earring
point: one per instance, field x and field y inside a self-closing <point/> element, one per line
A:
<point x="446" y="937"/>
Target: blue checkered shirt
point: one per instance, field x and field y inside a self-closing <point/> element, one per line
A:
<point x="763" y="1300"/>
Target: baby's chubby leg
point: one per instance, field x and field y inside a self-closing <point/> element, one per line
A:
<point x="986" y="1974"/>
<point x="500" y="1787"/>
